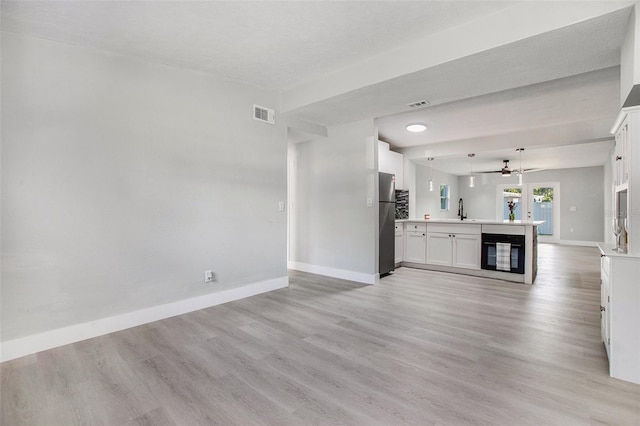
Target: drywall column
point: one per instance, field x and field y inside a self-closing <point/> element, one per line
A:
<point x="336" y="204"/>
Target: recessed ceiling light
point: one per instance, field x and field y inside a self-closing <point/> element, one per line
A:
<point x="416" y="127"/>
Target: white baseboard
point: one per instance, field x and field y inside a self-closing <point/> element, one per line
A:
<point x="360" y="277"/>
<point x="27" y="345"/>
<point x="579" y="243"/>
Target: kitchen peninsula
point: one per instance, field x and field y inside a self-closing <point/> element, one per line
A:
<point x="505" y="250"/>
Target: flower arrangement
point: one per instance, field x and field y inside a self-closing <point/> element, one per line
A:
<point x="512" y="206"/>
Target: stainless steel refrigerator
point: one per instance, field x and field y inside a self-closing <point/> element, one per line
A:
<point x="387" y="212"/>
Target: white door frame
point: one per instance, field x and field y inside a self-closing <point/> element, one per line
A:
<point x="527" y="199"/>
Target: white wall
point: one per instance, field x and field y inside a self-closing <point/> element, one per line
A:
<point x="580" y="187"/>
<point x="122" y="181"/>
<point x="429" y="202"/>
<point x="335" y="231"/>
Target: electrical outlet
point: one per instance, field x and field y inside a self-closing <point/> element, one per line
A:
<point x="208" y="276"/>
<point x="280" y="206"/>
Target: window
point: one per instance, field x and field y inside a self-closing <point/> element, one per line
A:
<point x="444" y="197"/>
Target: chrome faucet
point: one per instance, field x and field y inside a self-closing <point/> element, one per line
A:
<point x="461" y="209"/>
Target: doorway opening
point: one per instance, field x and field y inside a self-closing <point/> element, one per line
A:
<point x="533" y="201"/>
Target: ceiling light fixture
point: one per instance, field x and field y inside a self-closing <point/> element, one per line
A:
<point x="416" y="127"/>
<point x="430" y="174"/>
<point x="472" y="178"/>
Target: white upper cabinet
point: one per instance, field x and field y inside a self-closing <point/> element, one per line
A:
<point x="391" y="162"/>
<point x="626" y="174"/>
<point x="621" y="163"/>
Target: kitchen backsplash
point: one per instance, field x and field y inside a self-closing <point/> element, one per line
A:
<point x="402" y="204"/>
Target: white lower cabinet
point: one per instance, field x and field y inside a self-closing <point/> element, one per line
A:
<point x="454" y="245"/>
<point x="466" y="251"/>
<point x="415" y="242"/>
<point x="439" y="249"/>
<point x="620" y="313"/>
<point x="399" y="243"/>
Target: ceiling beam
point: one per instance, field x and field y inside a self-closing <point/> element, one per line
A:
<point x="509" y="25"/>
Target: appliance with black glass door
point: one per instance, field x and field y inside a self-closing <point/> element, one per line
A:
<point x="490" y="252"/>
<point x="387" y="213"/>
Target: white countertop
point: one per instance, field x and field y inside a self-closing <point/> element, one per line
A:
<point x="477" y="221"/>
<point x="610" y="250"/>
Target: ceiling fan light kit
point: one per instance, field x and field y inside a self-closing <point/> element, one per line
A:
<point x="506" y="171"/>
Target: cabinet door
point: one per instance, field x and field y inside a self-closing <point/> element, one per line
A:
<point x="439" y="249"/>
<point x="396" y="162"/>
<point x="415" y="247"/>
<point x="604" y="309"/>
<point x="466" y="251"/>
<point x="399" y="243"/>
<point x="621" y="154"/>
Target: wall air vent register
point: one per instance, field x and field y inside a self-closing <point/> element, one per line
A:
<point x="264" y="114"/>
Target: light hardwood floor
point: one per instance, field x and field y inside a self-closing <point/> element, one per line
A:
<point x="420" y="348"/>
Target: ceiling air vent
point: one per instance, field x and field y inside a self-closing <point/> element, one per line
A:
<point x="264" y="114"/>
<point x="418" y="104"/>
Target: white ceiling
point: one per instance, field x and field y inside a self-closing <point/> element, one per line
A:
<point x="588" y="96"/>
<point x="562" y="123"/>
<point x="583" y="47"/>
<point x="554" y="92"/>
<point x="270" y="44"/>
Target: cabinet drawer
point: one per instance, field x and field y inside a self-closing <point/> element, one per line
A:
<point x="416" y="227"/>
<point x="399" y="227"/>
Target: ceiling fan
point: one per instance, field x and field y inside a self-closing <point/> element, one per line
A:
<point x="506" y="171"/>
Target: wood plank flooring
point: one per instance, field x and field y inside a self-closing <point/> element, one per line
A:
<point x="422" y="347"/>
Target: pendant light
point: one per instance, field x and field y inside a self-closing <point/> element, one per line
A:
<point x="430" y="159"/>
<point x="472" y="178"/>
<point x="521" y="171"/>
